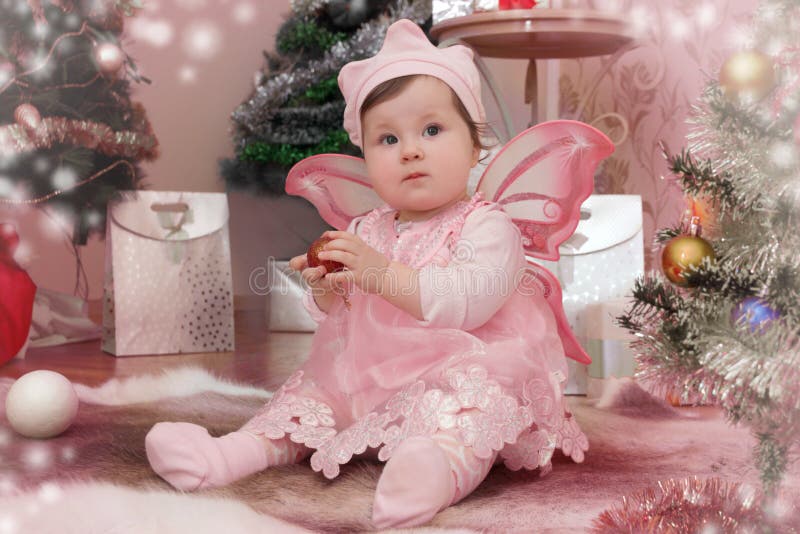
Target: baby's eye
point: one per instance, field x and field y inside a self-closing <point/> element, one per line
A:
<point x="388" y="139"/>
<point x="432" y="130"/>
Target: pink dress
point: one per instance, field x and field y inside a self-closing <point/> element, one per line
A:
<point x="486" y="361"/>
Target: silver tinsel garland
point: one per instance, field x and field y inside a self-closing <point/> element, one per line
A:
<point x="301" y="125"/>
<point x="365" y="42"/>
<point x="754" y="154"/>
<point x="306" y="8"/>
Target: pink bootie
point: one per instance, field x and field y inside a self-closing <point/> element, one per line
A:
<point x="415" y="484"/>
<point x="186" y="456"/>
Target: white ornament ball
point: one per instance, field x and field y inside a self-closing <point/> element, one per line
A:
<point x="109" y="58"/>
<point x="41" y="404"/>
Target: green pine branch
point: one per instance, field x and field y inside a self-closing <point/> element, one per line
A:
<point x="720" y="282"/>
<point x="306" y="34"/>
<point x="771" y="459"/>
<point x="734" y="116"/>
<point x="318" y="93"/>
<point x="653" y="301"/>
<point x="699" y="178"/>
<point x="287" y="155"/>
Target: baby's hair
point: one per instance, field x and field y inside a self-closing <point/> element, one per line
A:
<point x="386" y="90"/>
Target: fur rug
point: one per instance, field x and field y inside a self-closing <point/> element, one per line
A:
<point x="95" y="476"/>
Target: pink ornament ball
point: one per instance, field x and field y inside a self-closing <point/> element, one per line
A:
<point x="41" y="404"/>
<point x="109" y="58"/>
<point x="27" y="116"/>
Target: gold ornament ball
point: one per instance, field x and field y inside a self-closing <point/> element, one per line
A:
<point x="682" y="253"/>
<point x="748" y="74"/>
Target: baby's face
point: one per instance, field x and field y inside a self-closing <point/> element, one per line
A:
<point x="418" y="149"/>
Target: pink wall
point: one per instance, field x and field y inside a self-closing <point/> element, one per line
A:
<point x="651" y="86"/>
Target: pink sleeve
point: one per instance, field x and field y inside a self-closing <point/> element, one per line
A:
<point x="311" y="307"/>
<point x="480" y="277"/>
<point x="308" y="299"/>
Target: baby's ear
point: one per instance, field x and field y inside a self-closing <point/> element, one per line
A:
<point x="476" y="154"/>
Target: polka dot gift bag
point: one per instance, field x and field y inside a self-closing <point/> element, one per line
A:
<point x="168" y="286"/>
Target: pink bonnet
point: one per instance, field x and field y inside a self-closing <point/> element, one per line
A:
<point x="407" y="51"/>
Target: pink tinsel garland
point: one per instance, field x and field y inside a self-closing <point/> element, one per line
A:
<point x="695" y="505"/>
<point x="16" y="138"/>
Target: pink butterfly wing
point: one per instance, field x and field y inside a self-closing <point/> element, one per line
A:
<point x="337" y="185"/>
<point x="538" y="280"/>
<point x="541" y="178"/>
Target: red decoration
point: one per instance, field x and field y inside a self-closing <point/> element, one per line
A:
<point x="18" y="290"/>
<point x="516" y="4"/>
<point x="313" y="256"/>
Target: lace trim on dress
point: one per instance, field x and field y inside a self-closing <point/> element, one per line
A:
<point x="411" y="248"/>
<point x="484" y="416"/>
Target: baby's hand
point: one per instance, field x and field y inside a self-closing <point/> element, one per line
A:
<point x="365" y="265"/>
<point x="314" y="277"/>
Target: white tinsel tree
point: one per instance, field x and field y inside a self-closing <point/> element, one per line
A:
<point x="721" y="322"/>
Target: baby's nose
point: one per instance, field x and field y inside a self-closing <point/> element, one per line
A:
<point x="412" y="151"/>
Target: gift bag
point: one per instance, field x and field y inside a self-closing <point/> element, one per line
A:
<point x="168" y="286"/>
<point x="600" y="264"/>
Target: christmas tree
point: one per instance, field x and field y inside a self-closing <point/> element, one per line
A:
<point x="70" y="136"/>
<point x="296" y="108"/>
<point x="721" y="323"/>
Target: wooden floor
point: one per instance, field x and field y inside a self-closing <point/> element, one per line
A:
<point x="261" y="357"/>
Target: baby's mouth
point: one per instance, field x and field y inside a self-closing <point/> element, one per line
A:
<point x="414" y="176"/>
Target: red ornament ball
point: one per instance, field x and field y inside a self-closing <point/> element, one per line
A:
<point x="681" y="254"/>
<point x="313" y="256"/>
<point x="28" y="116"/>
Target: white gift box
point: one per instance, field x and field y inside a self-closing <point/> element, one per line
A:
<point x="599" y="264"/>
<point x="168" y="285"/>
